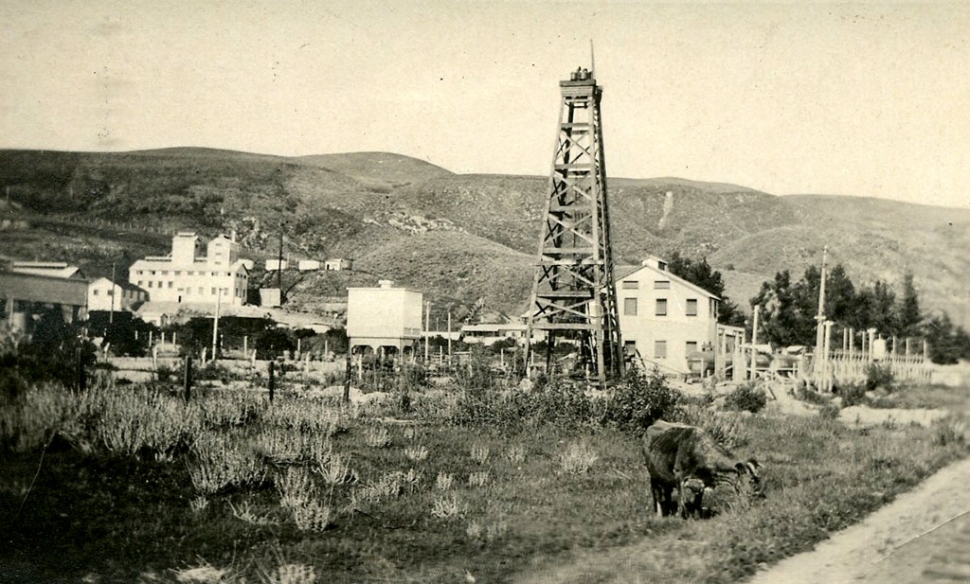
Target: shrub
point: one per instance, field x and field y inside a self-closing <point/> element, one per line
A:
<point x="640" y="401"/>
<point x="578" y="458"/>
<point x="748" y="397"/>
<point x="879" y="375"/>
<point x="830" y="411"/>
<point x="448" y="507"/>
<point x="806" y="393"/>
<point x="853" y="394"/>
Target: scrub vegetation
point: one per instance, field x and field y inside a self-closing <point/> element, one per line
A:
<point x="479" y="479"/>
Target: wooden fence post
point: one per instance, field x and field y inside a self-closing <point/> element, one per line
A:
<point x="348" y="373"/>
<point x="272" y="379"/>
<point x="187" y="380"/>
<point x="82" y="381"/>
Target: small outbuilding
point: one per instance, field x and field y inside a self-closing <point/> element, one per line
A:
<point x="338" y="264"/>
<point x="308" y="265"/>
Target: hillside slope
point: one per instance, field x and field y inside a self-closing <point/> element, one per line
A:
<point x="462" y="239"/>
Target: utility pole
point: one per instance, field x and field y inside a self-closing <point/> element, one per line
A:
<point x="754" y="341"/>
<point x="821" y="356"/>
<point x="215" y="325"/>
<point x="820" y="317"/>
<point x="279" y="265"/>
<point x="427" y="332"/>
<point x="111" y="315"/>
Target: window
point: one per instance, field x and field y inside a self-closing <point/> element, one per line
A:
<point x="630" y="306"/>
<point x="691" y="347"/>
<point x="164" y="272"/>
<point x="660" y="349"/>
<point x="178" y="272"/>
<point x="213" y="291"/>
<point x="691" y="307"/>
<point x="170" y="283"/>
<point x="190" y="273"/>
<point x="630" y="284"/>
<point x="629" y="348"/>
<point x="95" y="292"/>
<point x="661" y="284"/>
<point x="110" y="292"/>
<point x="661" y="307"/>
<point x="150" y="283"/>
<point x="140" y="282"/>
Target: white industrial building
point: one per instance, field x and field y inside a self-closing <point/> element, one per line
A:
<point x="220" y="276"/>
<point x="384" y="317"/>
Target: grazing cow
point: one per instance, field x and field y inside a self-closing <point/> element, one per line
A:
<point x="688" y="458"/>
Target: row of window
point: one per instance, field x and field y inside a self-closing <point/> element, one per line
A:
<point x="187" y="273"/>
<point x="660" y="348"/>
<point x="634" y="284"/>
<point x="630" y="307"/>
<point x="124" y="293"/>
<point x="187" y="290"/>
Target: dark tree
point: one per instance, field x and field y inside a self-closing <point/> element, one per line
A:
<point x="702" y="274"/>
<point x="908" y="317"/>
<point x="948" y="343"/>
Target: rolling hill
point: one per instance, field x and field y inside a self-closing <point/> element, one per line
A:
<point x="462" y="239"/>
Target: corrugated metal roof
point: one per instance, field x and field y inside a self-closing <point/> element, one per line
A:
<point x="35" y="288"/>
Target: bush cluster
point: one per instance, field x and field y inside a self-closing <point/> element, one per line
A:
<point x="853" y="394"/>
<point x="879" y="375"/>
<point x="641" y="400"/>
<point x="748" y="397"/>
<point x="631" y="406"/>
<point x="559" y="404"/>
<point x="64" y="358"/>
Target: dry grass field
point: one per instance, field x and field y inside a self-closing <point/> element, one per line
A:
<point x="470" y="480"/>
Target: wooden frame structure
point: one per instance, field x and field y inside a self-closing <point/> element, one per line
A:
<point x="573" y="293"/>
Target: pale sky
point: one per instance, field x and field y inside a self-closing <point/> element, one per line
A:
<point x="869" y="99"/>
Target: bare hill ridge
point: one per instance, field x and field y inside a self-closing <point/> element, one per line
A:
<point x="463" y="238"/>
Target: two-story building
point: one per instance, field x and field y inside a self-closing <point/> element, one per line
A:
<point x="664" y="319"/>
<point x="220" y="276"/>
<point x="384" y="317"/>
<point x="103" y="294"/>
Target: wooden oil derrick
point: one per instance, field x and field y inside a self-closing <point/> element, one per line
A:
<point x="573" y="293"/>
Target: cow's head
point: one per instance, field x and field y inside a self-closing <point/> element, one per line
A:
<point x="749" y="481"/>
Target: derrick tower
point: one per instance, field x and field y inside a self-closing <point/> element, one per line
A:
<point x="573" y="293"/>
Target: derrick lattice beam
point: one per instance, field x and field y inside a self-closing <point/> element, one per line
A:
<point x="573" y="293"/>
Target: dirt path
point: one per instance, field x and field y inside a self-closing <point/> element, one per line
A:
<point x="924" y="535"/>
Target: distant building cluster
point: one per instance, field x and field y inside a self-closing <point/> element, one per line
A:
<point x="220" y="276"/>
<point x="665" y="320"/>
<point x="33" y="288"/>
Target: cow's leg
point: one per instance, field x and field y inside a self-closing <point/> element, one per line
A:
<point x="683" y="492"/>
<point x="656" y="493"/>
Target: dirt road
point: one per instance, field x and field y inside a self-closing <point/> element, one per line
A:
<point x="923" y="536"/>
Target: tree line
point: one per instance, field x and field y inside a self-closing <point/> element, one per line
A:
<point x="788" y="308"/>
